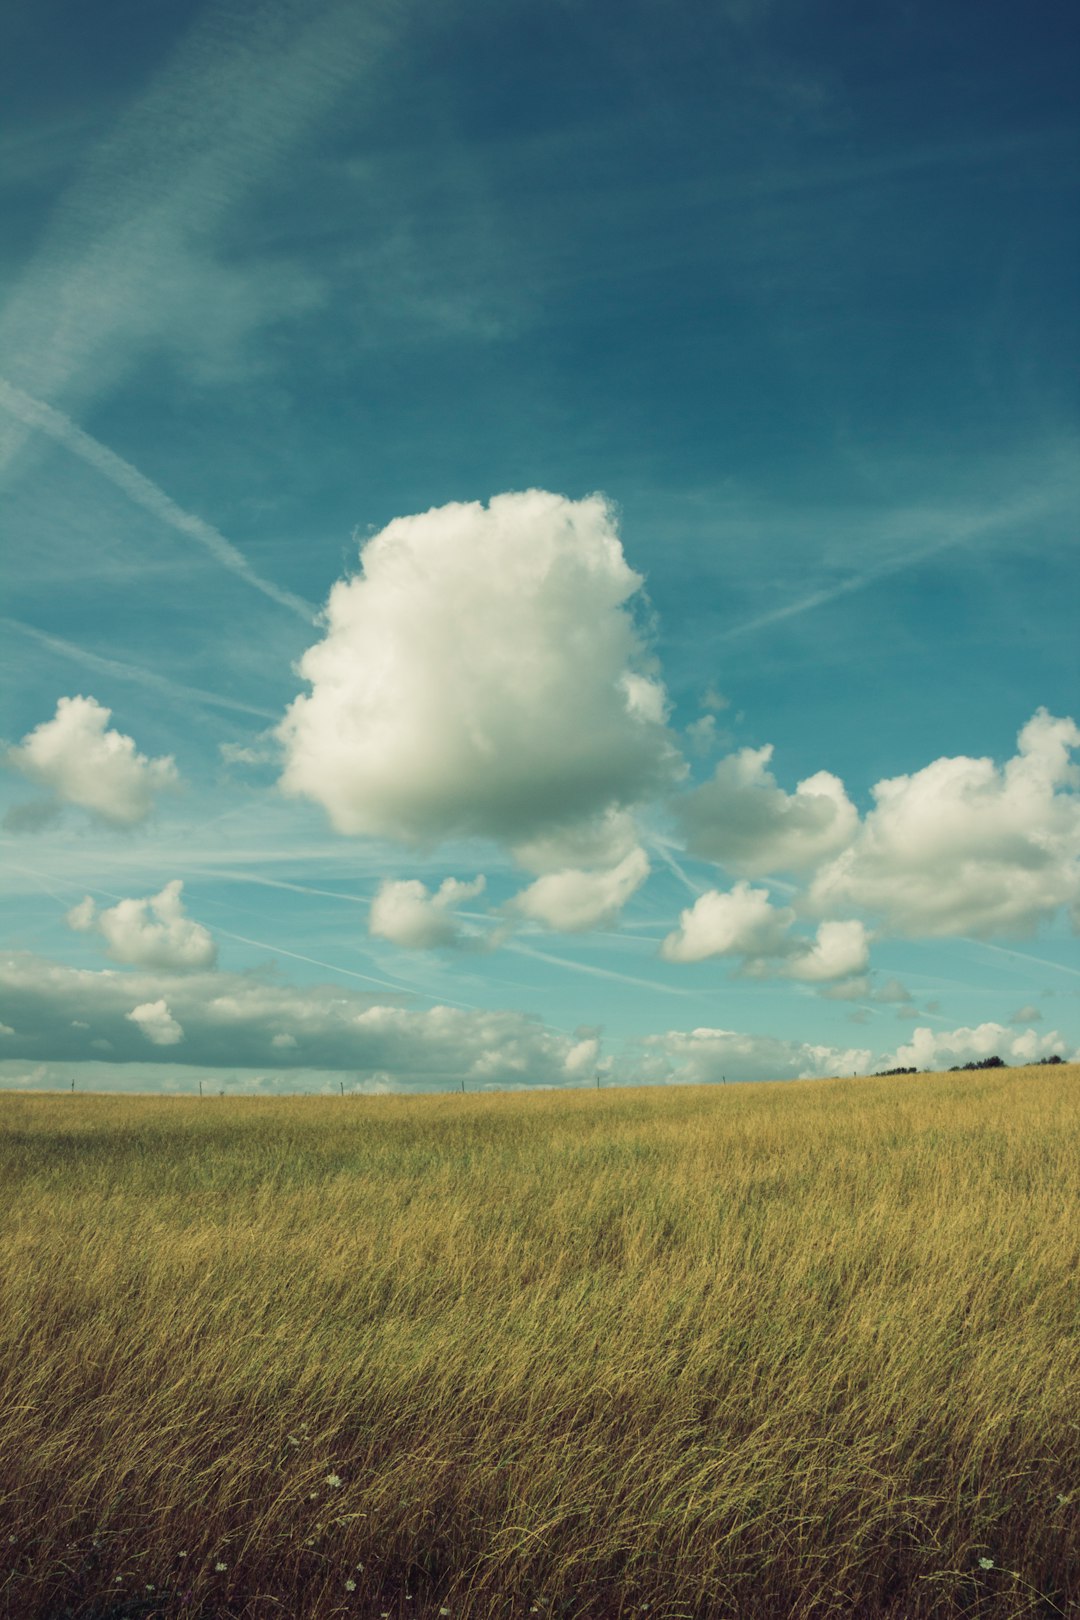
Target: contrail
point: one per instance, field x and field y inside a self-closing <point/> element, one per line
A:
<point x="134" y="672"/>
<point x="34" y="413"/>
<point x="598" y="972"/>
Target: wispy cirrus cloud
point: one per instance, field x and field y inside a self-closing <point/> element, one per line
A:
<point x="143" y="491"/>
<point x="129" y="261"/>
<point x="136" y="673"/>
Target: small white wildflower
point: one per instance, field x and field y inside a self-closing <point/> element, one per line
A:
<point x="333" y="1480"/>
<point x="119" y="1578"/>
<point x="220" y="1567"/>
<point x="149" y="1588"/>
<point x="181" y="1555"/>
<point x="444" y="1611"/>
<point x="986" y="1563"/>
<point x="12" y="1538"/>
<point x="1063" y="1501"/>
<point x="350" y="1586"/>
<point x="313" y="1496"/>
<point x="359" y="1566"/>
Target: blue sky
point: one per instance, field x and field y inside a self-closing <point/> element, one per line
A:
<point x="682" y="401"/>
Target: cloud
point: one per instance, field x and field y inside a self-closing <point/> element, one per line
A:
<point x="482" y="676"/>
<point x="156" y="1023"/>
<point x="135" y="257"/>
<point x="150" y="933"/>
<point x="746" y="823"/>
<point x="83" y="763"/>
<point x="254" y="1021"/>
<point x="838" y="950"/>
<point x="705" y="1056"/>
<point x="743" y="922"/>
<point x="963" y="847"/>
<point x="407" y="913"/>
<point x="941" y="1049"/>
<point x="1027" y="1014"/>
<point x="573" y="900"/>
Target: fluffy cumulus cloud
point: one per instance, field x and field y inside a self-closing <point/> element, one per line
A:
<point x="79" y="760"/>
<point x="574" y="900"/>
<point x="234" y="1021"/>
<point x="408" y="913"/>
<point x="966" y="847"/>
<point x="706" y="1056"/>
<point x="743" y="922"/>
<point x="151" y="933"/>
<point x="942" y="1049"/>
<point x="743" y="819"/>
<point x="157" y="1023"/>
<point x="482" y="675"/>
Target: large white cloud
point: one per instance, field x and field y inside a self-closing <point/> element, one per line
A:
<point x="963" y="847"/>
<point x="408" y="913"/>
<point x="575" y="900"/>
<point x="705" y="1056"/>
<point x="483" y="676"/>
<point x="81" y="761"/>
<point x="941" y="1049"/>
<point x="746" y="823"/>
<point x="743" y="922"/>
<point x="59" y="1014"/>
<point x="154" y="932"/>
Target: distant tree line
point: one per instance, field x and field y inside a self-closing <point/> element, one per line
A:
<point x="958" y="1068"/>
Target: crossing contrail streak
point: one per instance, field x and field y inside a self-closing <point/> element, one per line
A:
<point x="34" y="413"/>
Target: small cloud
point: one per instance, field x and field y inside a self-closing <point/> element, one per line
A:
<point x="1027" y="1014"/>
<point x="715" y="701"/>
<point x="702" y="734"/>
<point x="266" y="752"/>
<point x="84" y="763"/>
<point x="156" y="1023"/>
<point x="284" y="1043"/>
<point x="892" y="991"/>
<point x="82" y="917"/>
<point x="152" y="933"/>
<point x="743" y="820"/>
<point x="407" y="913"/>
<point x="573" y="901"/>
<point x="6" y="1029"/>
<point x="744" y="922"/>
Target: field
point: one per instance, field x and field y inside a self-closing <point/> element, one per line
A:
<point x="797" y="1350"/>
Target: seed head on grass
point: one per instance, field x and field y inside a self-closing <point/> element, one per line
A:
<point x="986" y="1563"/>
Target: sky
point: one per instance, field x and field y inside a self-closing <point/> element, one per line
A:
<point x="541" y="542"/>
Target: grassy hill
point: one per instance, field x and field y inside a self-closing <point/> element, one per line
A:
<point x="749" y="1351"/>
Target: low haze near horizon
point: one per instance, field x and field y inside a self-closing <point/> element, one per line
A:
<point x="541" y="543"/>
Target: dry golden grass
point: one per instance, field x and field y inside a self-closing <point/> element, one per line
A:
<point x="762" y="1351"/>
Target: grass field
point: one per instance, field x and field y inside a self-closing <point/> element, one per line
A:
<point x="749" y="1351"/>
